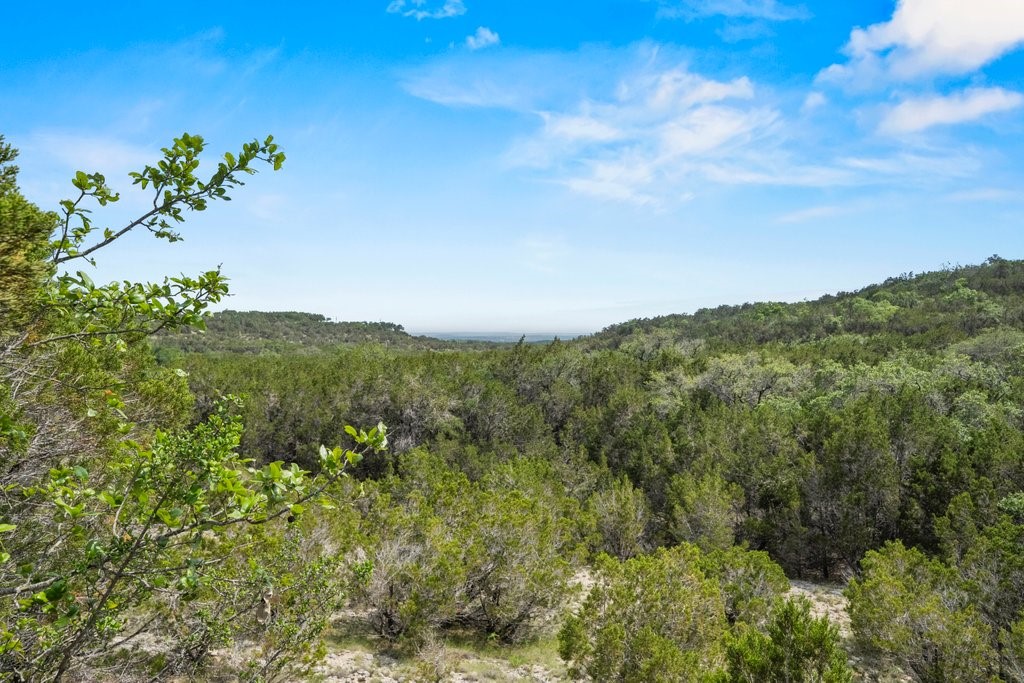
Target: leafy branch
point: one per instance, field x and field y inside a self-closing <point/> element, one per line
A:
<point x="175" y="186"/>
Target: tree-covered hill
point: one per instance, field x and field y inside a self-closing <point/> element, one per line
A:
<point x="923" y="311"/>
<point x="291" y="332"/>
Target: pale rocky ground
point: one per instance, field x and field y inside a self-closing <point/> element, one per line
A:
<point x="355" y="666"/>
<point x="356" y="656"/>
<point x="356" y="662"/>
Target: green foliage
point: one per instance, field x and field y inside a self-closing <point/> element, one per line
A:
<point x="814" y="447"/>
<point x="23" y="243"/>
<point x="703" y="510"/>
<point x="1013" y="506"/>
<point x="794" y="647"/>
<point x="993" y="572"/>
<point x="175" y="188"/>
<point x="445" y="552"/>
<point x="144" y="524"/>
<point x="1012" y="642"/>
<point x="750" y="582"/>
<point x="916" y="610"/>
<point x="621" y="513"/>
<point x="651" y="618"/>
<point x="116" y="522"/>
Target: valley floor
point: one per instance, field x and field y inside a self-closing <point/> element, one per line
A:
<point x="356" y="657"/>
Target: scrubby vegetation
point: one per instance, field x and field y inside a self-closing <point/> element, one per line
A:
<point x="169" y="496"/>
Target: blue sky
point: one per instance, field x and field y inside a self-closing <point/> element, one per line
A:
<point x="541" y="166"/>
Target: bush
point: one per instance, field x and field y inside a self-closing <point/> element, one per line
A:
<point x="651" y="618"/>
<point x="795" y="647"/>
<point x="915" y="609"/>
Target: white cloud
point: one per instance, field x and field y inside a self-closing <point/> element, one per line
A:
<point x="771" y="10"/>
<point x="813" y="101"/>
<point x="644" y="128"/>
<point x="709" y="128"/>
<point x="422" y="9"/>
<point x="484" y="37"/>
<point x="678" y="88"/>
<point x="644" y="141"/>
<point x="927" y="37"/>
<point x="579" y="128"/>
<point x="914" y="115"/>
<point x="623" y="179"/>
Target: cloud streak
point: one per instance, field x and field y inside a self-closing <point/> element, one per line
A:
<point x="814" y="213"/>
<point x="770" y="10"/>
<point x="918" y="114"/>
<point x="423" y="9"/>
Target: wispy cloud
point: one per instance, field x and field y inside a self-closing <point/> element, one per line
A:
<point x="911" y="166"/>
<point x="917" y="114"/>
<point x="814" y="213"/>
<point x="646" y="129"/>
<point x="928" y="37"/>
<point x="639" y="142"/>
<point x="623" y="179"/>
<point x="484" y="37"/>
<point x="511" y="79"/>
<point x="986" y="194"/>
<point x="738" y="31"/>
<point x="424" y="9"/>
<point x="106" y="155"/>
<point x="770" y="10"/>
<point x="778" y="168"/>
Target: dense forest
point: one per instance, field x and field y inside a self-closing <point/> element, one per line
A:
<point x="169" y="494"/>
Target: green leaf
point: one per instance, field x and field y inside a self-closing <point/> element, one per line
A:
<point x="56" y="591"/>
